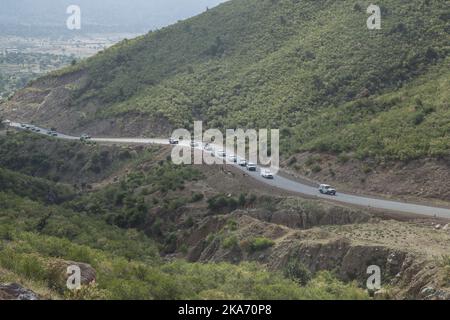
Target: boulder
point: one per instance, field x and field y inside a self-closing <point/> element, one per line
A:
<point x="88" y="273"/>
<point x="14" y="291"/>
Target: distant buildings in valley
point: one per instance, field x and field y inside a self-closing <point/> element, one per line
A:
<point x="6" y="51"/>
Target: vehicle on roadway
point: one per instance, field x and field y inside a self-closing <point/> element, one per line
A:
<point x="194" y="144"/>
<point x="6" y="122"/>
<point x="174" y="141"/>
<point x="233" y="159"/>
<point x="266" y="173"/>
<point x="243" y="163"/>
<point x="85" y="137"/>
<point x="222" y="154"/>
<point x="327" y="189"/>
<point x="251" y="166"/>
<point x="23" y="125"/>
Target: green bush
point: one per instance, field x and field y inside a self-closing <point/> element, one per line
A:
<point x="297" y="271"/>
<point x="220" y="203"/>
<point x="260" y="244"/>
<point x="127" y="262"/>
<point x="196" y="197"/>
<point x="230" y="242"/>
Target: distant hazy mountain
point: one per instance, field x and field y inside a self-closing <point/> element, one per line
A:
<point x="120" y="15"/>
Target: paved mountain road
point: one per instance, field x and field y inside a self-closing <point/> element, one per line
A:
<point x="294" y="186"/>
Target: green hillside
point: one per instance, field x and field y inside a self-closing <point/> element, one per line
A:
<point x="409" y="123"/>
<point x="284" y="64"/>
<point x="38" y="233"/>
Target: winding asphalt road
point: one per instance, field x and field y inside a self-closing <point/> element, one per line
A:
<point x="291" y="185"/>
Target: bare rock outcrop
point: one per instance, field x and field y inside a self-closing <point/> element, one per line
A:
<point x="14" y="291"/>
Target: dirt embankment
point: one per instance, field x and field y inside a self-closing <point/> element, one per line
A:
<point x="415" y="180"/>
<point x="407" y="271"/>
<point x="320" y="236"/>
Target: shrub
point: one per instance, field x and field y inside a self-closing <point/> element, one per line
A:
<point x="446" y="265"/>
<point x="196" y="197"/>
<point x="230" y="242"/>
<point x="418" y="118"/>
<point x="357" y="7"/>
<point x="310" y="161"/>
<point x="343" y="158"/>
<point x="259" y="244"/>
<point x="292" y="161"/>
<point x="232" y="224"/>
<point x="87" y="292"/>
<point x="220" y="203"/>
<point x="297" y="271"/>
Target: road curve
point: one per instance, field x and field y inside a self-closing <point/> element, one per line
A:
<point x="291" y="185"/>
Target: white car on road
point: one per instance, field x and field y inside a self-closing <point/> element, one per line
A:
<point x="266" y="173"/>
<point x="251" y="166"/>
<point x="327" y="189"/>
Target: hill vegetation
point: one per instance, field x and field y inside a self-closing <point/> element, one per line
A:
<point x="310" y="68"/>
<point x="307" y="67"/>
<point x="38" y="234"/>
<point x="59" y="161"/>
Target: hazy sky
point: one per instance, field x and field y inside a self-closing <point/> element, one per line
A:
<point x="148" y="14"/>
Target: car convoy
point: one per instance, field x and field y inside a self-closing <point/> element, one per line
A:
<point x="51" y="132"/>
<point x="252" y="167"/>
<point x="324" y="189"/>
